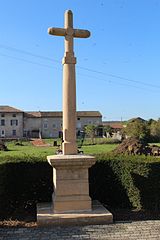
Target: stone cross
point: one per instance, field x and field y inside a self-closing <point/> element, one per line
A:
<point x="69" y="146"/>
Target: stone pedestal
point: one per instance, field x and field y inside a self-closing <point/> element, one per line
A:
<point x="70" y="180"/>
<point x="71" y="203"/>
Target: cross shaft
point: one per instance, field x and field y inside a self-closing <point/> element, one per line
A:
<point x="69" y="81"/>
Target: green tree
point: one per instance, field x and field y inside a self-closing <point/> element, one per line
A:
<point x="90" y="131"/>
<point x="107" y="129"/>
<point x="138" y="129"/>
<point x="155" y="130"/>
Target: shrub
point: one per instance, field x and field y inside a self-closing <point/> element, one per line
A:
<point x="126" y="181"/>
<point x="23" y="183"/>
<point x="115" y="180"/>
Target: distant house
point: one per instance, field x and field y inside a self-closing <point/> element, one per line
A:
<point x="15" y="123"/>
<point x="116" y="127"/>
<point x="139" y="119"/>
<point x="11" y="122"/>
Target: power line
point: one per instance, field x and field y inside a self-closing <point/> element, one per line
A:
<point x="27" y="53"/>
<point x="80" y="67"/>
<point x="116" y="76"/>
<point x="28" y="61"/>
<point x="118" y="83"/>
<point x="49" y="66"/>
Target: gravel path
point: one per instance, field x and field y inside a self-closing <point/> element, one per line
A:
<point x="141" y="230"/>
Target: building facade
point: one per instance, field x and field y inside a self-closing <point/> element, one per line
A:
<point x="15" y="123"/>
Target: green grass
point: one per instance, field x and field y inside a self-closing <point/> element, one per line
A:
<point x="51" y="141"/>
<point x="98" y="148"/>
<point x="158" y="144"/>
<point x="29" y="150"/>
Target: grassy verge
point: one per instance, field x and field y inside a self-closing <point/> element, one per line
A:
<point x="29" y="150"/>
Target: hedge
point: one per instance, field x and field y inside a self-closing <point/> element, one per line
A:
<point x="126" y="181"/>
<point x="116" y="181"/>
<point x="23" y="183"/>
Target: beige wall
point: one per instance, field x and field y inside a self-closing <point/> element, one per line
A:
<point x="8" y="128"/>
<point x="49" y="127"/>
<point x="31" y="125"/>
<point x="83" y="121"/>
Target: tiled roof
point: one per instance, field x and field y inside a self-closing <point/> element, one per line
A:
<point x="32" y="114"/>
<point x="89" y="114"/>
<point x="8" y="109"/>
<point x="46" y="114"/>
<point x="59" y="114"/>
<point x="115" y="125"/>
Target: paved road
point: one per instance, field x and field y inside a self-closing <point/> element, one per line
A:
<point x="141" y="230"/>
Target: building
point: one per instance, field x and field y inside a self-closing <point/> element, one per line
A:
<point x="11" y="122"/>
<point x="15" y="123"/>
<point x="115" y="129"/>
<point x="115" y="125"/>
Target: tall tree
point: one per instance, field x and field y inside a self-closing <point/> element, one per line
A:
<point x="138" y="129"/>
<point x="90" y="131"/>
<point x="155" y="130"/>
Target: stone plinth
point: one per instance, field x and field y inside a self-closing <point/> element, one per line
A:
<point x="98" y="215"/>
<point x="71" y="203"/>
<point x="70" y="180"/>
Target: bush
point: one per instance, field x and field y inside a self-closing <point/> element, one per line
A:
<point x="126" y="181"/>
<point x="23" y="183"/>
<point x="116" y="181"/>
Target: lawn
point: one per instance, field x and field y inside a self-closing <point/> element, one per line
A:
<point x="98" y="148"/>
<point x="29" y="149"/>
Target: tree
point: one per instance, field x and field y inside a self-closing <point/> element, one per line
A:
<point x="108" y="129"/>
<point x="155" y="130"/>
<point x="138" y="129"/>
<point x="90" y="131"/>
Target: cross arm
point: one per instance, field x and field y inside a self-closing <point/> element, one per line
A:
<point x="57" y="31"/>
<point x="79" y="33"/>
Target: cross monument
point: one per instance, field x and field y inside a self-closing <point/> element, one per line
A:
<point x="69" y="81"/>
<point x="71" y="203"/>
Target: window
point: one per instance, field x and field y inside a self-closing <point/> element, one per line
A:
<point x="78" y="118"/>
<point x="13" y="115"/>
<point x="2" y="122"/>
<point x="13" y="132"/>
<point x="24" y="133"/>
<point x="3" y="133"/>
<point x="54" y="125"/>
<point x="2" y="115"/>
<point x="14" y="122"/>
<point x="45" y="125"/>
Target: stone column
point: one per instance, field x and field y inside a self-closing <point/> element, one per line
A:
<point x="69" y="145"/>
<point x="71" y="189"/>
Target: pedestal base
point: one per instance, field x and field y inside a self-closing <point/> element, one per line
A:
<point x="71" y="203"/>
<point x="98" y="215"/>
<point x="70" y="180"/>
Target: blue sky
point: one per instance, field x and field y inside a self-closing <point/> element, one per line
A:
<point x="118" y="67"/>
